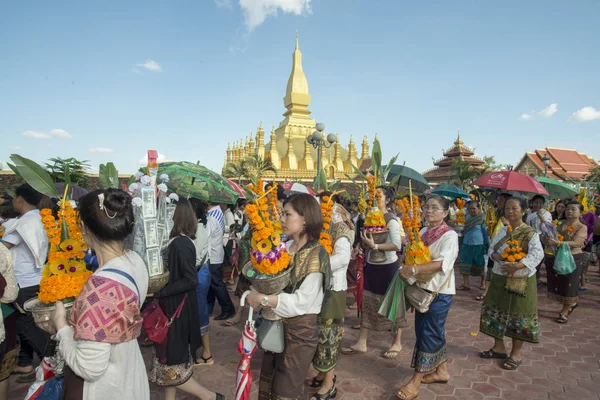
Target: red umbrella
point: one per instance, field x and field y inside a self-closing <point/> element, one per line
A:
<point x="511" y="180"/>
<point x="237" y="188"/>
<point x="247" y="346"/>
<point x="297" y="187"/>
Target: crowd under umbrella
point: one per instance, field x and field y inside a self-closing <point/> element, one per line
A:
<point x="295" y="187"/>
<point x="401" y="175"/>
<point x="557" y="189"/>
<point x="511" y="181"/>
<point x="450" y="191"/>
<point x="238" y="189"/>
<point x="194" y="180"/>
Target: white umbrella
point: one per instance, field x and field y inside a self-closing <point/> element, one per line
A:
<point x="247" y="346"/>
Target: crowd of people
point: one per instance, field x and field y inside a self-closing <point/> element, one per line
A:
<point x="208" y="247"/>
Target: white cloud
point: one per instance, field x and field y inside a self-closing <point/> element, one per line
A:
<point x="547" y="112"/>
<point x="144" y="160"/>
<point x="585" y="114"/>
<point x="100" y="150"/>
<point x="256" y="11"/>
<point x="14" y="147"/>
<point x="151" y="65"/>
<point x="61" y="133"/>
<point x="36" y="135"/>
<point x="224" y="3"/>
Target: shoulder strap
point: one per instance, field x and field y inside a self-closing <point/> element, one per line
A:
<point x="126" y="275"/>
<point x="445" y="282"/>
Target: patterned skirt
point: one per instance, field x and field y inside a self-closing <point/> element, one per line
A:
<point x="430" y="328"/>
<point x="170" y="375"/>
<point x="472" y="259"/>
<point x="331" y="331"/>
<point x="377" y="278"/>
<point x="564" y="288"/>
<point x="507" y="314"/>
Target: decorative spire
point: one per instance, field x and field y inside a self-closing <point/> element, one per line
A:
<point x="458" y="141"/>
<point x="365" y="149"/>
<point x="297" y="45"/>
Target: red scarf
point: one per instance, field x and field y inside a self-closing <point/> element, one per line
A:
<point x="431" y="235"/>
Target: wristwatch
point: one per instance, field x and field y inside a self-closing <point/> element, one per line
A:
<point x="376" y="247"/>
<point x="265" y="301"/>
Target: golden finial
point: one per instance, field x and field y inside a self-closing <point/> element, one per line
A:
<point x="337" y="137"/>
<point x="297" y="46"/>
<point x="260" y="126"/>
<point x="376" y="136"/>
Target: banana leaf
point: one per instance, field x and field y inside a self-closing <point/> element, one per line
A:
<point x="334" y="186"/>
<point x="388" y="168"/>
<point x="34" y="175"/>
<point x="393" y="303"/>
<point x="358" y="172"/>
<point x="376" y="157"/>
<point x="67" y="175"/>
<point x="323" y="180"/>
<point x="109" y="176"/>
<point x="14" y="169"/>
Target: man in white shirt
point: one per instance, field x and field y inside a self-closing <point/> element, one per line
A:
<point x="28" y="243"/>
<point x="216" y="231"/>
<point x="537" y="215"/>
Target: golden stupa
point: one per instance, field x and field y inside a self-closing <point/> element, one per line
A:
<point x="288" y="150"/>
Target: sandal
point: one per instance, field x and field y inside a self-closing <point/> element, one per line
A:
<point x="404" y="394"/>
<point x="205" y="361"/>
<point x="480" y="297"/>
<point x="463" y="288"/>
<point x="493" y="354"/>
<point x="357" y="326"/>
<point x="391" y="354"/>
<point x="229" y="322"/>
<point x="562" y="318"/>
<point x="511" y="364"/>
<point x="349" y="351"/>
<point x="573" y="307"/>
<point x="329" y="395"/>
<point x="317" y="383"/>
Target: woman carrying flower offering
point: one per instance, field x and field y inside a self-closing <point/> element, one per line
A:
<point x="339" y="230"/>
<point x="437" y="276"/>
<point x="102" y="356"/>
<point x="282" y="375"/>
<point x="474" y="247"/>
<point x="564" y="288"/>
<point x="510" y="305"/>
<point x="377" y="278"/>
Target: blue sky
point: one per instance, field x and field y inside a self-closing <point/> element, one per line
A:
<point x="105" y="81"/>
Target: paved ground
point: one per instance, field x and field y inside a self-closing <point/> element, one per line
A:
<point x="565" y="365"/>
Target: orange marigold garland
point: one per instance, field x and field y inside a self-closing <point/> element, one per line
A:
<point x="65" y="273"/>
<point x="416" y="252"/>
<point x="326" y="209"/>
<point x="460" y="215"/>
<point x="268" y="254"/>
<point x="513" y="253"/>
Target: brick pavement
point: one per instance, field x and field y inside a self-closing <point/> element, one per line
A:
<point x="565" y="365"/>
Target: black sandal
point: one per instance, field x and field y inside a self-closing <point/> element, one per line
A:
<point x="493" y="354"/>
<point x="317" y="383"/>
<point x="329" y="395"/>
<point x="562" y="318"/>
<point x="511" y="364"/>
<point x="573" y="307"/>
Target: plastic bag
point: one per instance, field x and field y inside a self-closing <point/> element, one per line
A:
<point x="52" y="389"/>
<point x="564" y="263"/>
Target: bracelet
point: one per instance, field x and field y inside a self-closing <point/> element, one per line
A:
<point x="376" y="247"/>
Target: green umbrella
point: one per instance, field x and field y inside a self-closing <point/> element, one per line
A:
<point x="194" y="180"/>
<point x="451" y="191"/>
<point x="557" y="189"/>
<point x="399" y="175"/>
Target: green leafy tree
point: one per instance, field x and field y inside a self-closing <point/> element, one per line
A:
<point x="258" y="166"/>
<point x="60" y="169"/>
<point x="463" y="174"/>
<point x="239" y="170"/>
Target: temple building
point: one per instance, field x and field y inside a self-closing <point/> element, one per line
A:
<point x="286" y="146"/>
<point x="442" y="172"/>
<point x="562" y="164"/>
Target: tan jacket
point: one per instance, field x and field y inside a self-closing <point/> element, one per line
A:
<point x="12" y="290"/>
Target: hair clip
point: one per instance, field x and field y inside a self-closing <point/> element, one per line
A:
<point x="101" y="204"/>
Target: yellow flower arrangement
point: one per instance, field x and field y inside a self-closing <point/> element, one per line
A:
<point x="268" y="255"/>
<point x="513" y="253"/>
<point x="461" y="218"/>
<point x="416" y="251"/>
<point x="372" y="185"/>
<point x="325" y="237"/>
<point x="65" y="273"/>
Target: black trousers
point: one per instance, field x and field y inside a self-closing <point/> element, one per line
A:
<point x="218" y="291"/>
<point x="32" y="338"/>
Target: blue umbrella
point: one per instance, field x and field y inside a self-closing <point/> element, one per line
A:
<point x="75" y="191"/>
<point x="447" y="190"/>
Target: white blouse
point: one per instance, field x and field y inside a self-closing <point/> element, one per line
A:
<point x="393" y="228"/>
<point x="445" y="249"/>
<point x="307" y="299"/>
<point x="534" y="221"/>
<point x="339" y="260"/>
<point x="535" y="253"/>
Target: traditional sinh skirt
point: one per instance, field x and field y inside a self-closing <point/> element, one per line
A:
<point x="430" y="329"/>
<point x="282" y="375"/>
<point x="331" y="331"/>
<point x="170" y="375"/>
<point x="512" y="315"/>
<point x="377" y="278"/>
<point x="472" y="259"/>
<point x="9" y="352"/>
<point x="564" y="288"/>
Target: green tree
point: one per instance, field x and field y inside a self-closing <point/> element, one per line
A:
<point x="237" y="170"/>
<point x="463" y="174"/>
<point x="259" y="166"/>
<point x="59" y="168"/>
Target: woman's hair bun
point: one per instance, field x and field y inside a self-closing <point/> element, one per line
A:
<point x="117" y="201"/>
